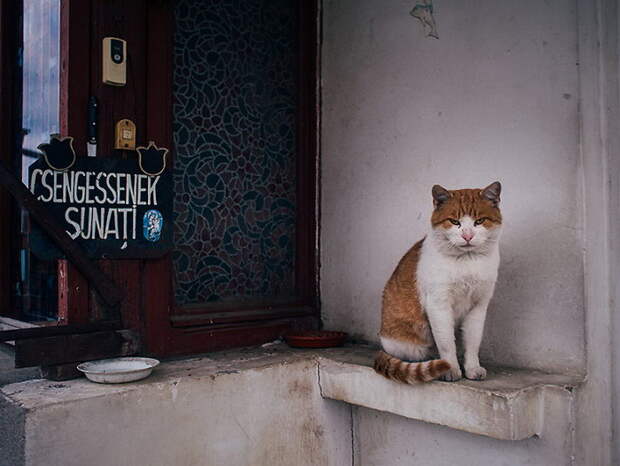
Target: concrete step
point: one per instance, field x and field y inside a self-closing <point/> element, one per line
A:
<point x="511" y="404"/>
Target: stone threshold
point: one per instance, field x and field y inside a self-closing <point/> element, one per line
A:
<point x="509" y="405"/>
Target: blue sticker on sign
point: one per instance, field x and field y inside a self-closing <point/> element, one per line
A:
<point x="152" y="224"/>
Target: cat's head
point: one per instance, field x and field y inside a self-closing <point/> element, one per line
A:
<point x="466" y="220"/>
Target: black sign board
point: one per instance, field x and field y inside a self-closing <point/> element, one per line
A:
<point x="115" y="208"/>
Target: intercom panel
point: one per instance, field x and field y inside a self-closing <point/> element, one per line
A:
<point x="114" y="61"/>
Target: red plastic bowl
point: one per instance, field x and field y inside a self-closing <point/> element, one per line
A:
<point x="315" y="339"/>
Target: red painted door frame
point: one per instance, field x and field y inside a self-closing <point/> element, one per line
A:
<point x="73" y="299"/>
<point x="200" y="331"/>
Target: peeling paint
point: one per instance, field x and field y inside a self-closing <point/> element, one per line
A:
<point x="424" y="12"/>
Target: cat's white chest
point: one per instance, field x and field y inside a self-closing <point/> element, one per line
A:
<point x="464" y="292"/>
<point x="459" y="283"/>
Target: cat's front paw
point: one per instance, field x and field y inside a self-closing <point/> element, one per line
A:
<point x="453" y="374"/>
<point x="476" y="373"/>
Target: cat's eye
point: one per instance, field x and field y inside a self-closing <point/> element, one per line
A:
<point x="480" y="221"/>
<point x="455" y="222"/>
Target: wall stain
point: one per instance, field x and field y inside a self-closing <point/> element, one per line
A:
<point x="424" y="12"/>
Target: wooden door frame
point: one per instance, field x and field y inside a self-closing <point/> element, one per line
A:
<point x="203" y="328"/>
<point x="73" y="289"/>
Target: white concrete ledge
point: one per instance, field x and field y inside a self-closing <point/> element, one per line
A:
<point x="260" y="383"/>
<point x="509" y="405"/>
<point x="258" y="406"/>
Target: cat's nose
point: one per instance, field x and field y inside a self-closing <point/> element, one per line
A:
<point x="467" y="235"/>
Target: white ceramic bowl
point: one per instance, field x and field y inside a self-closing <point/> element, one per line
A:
<point x="118" y="370"/>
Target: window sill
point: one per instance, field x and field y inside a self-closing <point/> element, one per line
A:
<point x="510" y="404"/>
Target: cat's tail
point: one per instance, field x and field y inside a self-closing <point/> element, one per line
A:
<point x="409" y="372"/>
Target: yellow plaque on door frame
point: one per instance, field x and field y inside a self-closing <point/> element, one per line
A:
<point x="125" y="137"/>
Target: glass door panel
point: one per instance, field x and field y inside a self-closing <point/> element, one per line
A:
<point x="36" y="292"/>
<point x="235" y="110"/>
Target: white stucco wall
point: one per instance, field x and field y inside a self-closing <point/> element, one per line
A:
<point x="496" y="97"/>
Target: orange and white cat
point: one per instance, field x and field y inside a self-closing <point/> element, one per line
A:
<point x="445" y="281"/>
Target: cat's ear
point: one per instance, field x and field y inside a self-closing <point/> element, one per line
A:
<point x="440" y="195"/>
<point x="492" y="192"/>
